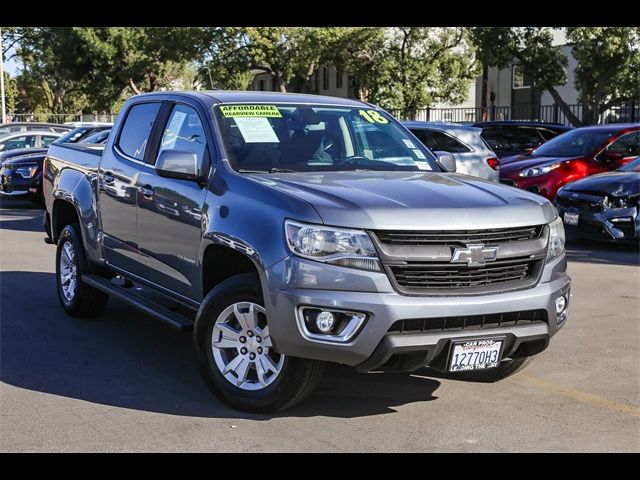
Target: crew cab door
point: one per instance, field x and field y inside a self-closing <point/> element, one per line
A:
<point x="118" y="175"/>
<point x="170" y="209"/>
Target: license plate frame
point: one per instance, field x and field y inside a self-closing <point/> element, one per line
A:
<point x="500" y="341"/>
<point x="571" y="218"/>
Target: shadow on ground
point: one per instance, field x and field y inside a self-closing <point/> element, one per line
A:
<point x="590" y="251"/>
<point x="128" y="360"/>
<point x="20" y="215"/>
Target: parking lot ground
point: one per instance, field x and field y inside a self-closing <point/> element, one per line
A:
<point x="123" y="382"/>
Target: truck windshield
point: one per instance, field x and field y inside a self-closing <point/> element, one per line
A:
<point x="307" y="138"/>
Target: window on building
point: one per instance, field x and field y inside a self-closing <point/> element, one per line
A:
<point x="274" y="84"/>
<point x="521" y="78"/>
<point x="339" y="75"/>
<point x="261" y="85"/>
<point x="316" y="81"/>
<point x="325" y="78"/>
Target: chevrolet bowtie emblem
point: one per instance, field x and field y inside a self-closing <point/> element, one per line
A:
<point x="474" y="255"/>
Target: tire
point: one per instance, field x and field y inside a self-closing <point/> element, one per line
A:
<point x="76" y="297"/>
<point x="242" y="387"/>
<point x="491" y="375"/>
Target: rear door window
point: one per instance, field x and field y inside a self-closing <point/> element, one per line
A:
<point x="440" y="141"/>
<point x="134" y="134"/>
<point x="46" y="140"/>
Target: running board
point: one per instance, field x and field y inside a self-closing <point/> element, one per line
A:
<point x="136" y="301"/>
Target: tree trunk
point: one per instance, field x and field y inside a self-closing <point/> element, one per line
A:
<point x="153" y="82"/>
<point x="485" y="86"/>
<point x="575" y="121"/>
<point x="133" y="87"/>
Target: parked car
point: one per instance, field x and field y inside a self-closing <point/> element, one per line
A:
<point x="317" y="242"/>
<point x="28" y="139"/>
<point x="473" y="155"/>
<point x="508" y="138"/>
<point x="13" y="127"/>
<point x="21" y="175"/>
<point x="571" y="156"/>
<point x="604" y="206"/>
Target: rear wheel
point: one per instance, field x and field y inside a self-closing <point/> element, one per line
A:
<point x="237" y="357"/>
<point x="76" y="297"/>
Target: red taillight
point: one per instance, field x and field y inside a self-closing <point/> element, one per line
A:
<point x="494" y="163"/>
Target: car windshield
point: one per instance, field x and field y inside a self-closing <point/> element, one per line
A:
<point x="633" y="166"/>
<point x="573" y="144"/>
<point x="307" y="138"/>
<point x="77" y="134"/>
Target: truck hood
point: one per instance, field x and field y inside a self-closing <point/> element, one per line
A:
<point x="615" y="183"/>
<point x="411" y="200"/>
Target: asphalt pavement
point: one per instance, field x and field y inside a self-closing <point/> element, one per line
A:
<point x="123" y="382"/>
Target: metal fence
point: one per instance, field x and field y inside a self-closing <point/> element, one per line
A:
<point x="61" y="117"/>
<point x="629" y="112"/>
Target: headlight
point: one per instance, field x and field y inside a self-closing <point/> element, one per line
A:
<point x="537" y="171"/>
<point x="556" y="239"/>
<point x="27" y="171"/>
<point x="615" y="202"/>
<point x="338" y="246"/>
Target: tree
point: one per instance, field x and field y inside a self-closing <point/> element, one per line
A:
<point x="533" y="48"/>
<point x="410" y="67"/>
<point x="226" y="62"/>
<point x="10" y="91"/>
<point x="608" y="64"/>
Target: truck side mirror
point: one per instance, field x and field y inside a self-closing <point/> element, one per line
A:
<point x="181" y="164"/>
<point x="446" y="161"/>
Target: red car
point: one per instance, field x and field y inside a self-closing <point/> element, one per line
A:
<point x="573" y="155"/>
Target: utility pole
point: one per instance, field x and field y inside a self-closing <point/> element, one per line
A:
<point x="4" y="111"/>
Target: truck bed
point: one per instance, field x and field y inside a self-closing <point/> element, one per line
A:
<point x="85" y="157"/>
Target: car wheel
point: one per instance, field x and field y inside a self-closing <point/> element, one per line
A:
<point x="505" y="369"/>
<point x="77" y="298"/>
<point x="236" y="354"/>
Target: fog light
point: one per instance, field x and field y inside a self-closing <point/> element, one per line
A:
<point x="325" y="321"/>
<point x="328" y="324"/>
<point x="561" y="303"/>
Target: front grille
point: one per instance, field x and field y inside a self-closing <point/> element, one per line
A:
<point x="471" y="322"/>
<point x="583" y="205"/>
<point x="458" y="237"/>
<point x="453" y="276"/>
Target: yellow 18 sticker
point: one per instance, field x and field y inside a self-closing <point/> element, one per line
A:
<point x="372" y="116"/>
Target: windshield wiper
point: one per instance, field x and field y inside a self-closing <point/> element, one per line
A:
<point x="271" y="170"/>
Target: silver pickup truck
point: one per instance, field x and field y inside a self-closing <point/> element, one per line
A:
<point x="288" y="231"/>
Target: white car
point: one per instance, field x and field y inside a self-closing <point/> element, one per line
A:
<point x="473" y="155"/>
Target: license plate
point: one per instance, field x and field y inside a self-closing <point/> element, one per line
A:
<point x="571" y="218"/>
<point x="476" y="354"/>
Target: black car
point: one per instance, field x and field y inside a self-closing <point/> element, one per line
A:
<point x="604" y="206"/>
<point x="515" y="137"/>
<point x="21" y="174"/>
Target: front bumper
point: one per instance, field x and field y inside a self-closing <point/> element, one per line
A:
<point x="12" y="184"/>
<point x="608" y="225"/>
<point x="296" y="282"/>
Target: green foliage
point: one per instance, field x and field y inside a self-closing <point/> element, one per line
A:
<point x="533" y="48"/>
<point x="10" y="92"/>
<point x="410" y="67"/>
<point x="608" y="67"/>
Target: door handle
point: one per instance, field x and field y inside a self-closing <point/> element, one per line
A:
<point x="147" y="191"/>
<point x="107" y="177"/>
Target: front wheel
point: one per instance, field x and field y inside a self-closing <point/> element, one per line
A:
<point x="236" y="354"/>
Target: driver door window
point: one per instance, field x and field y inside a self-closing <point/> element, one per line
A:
<point x="626" y="146"/>
<point x="184" y="131"/>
